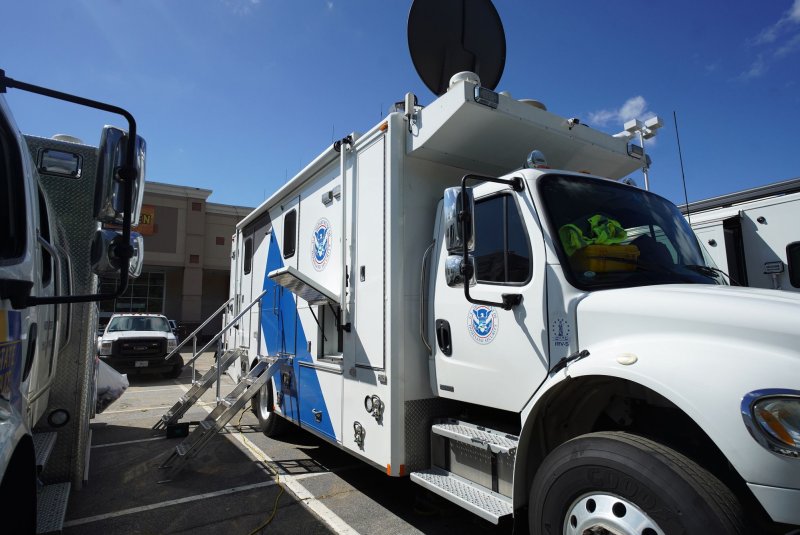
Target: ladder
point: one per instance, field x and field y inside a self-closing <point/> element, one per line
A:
<point x="183" y="404"/>
<point x="225" y="410"/>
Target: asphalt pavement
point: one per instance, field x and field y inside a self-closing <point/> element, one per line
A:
<point x="241" y="482"/>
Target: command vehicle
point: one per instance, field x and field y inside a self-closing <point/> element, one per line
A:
<point x="56" y="193"/>
<point x="470" y="294"/>
<point x="753" y="235"/>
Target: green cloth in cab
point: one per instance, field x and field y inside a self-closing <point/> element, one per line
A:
<point x="602" y="230"/>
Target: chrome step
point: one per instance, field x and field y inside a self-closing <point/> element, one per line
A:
<point x="43" y="443"/>
<point x="51" y="507"/>
<point x="471" y="496"/>
<point x="481" y="437"/>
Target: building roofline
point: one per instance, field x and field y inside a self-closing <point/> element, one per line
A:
<point x="176" y="191"/>
<point x="227" y="209"/>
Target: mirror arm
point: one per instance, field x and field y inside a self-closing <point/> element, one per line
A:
<point x="127" y="174"/>
<point x="465" y="218"/>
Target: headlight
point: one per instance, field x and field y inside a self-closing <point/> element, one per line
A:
<point x="773" y="418"/>
<point x="105" y="347"/>
<point x="171" y="345"/>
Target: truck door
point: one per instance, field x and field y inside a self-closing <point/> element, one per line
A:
<point x="278" y="306"/>
<point x="485" y="354"/>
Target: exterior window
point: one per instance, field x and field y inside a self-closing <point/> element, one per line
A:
<point x="194" y="258"/>
<point x="289" y="234"/>
<point x="220" y="240"/>
<point x="248" y="255"/>
<point x="793" y="261"/>
<point x="197" y="207"/>
<point x="12" y="191"/>
<point x="44" y="229"/>
<point x="144" y="294"/>
<point x="502" y="253"/>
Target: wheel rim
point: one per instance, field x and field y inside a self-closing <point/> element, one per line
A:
<point x="606" y="514"/>
<point x="263" y="403"/>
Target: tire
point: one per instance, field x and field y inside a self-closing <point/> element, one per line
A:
<point x="176" y="370"/>
<point x="629" y="484"/>
<point x="270" y="423"/>
<point x="174" y="373"/>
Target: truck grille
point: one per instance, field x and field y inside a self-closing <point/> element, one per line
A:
<point x="141" y="347"/>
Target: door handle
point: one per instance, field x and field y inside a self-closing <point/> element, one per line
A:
<point x="443" y="337"/>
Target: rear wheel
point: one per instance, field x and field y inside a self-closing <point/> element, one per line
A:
<point x="615" y="482"/>
<point x="270" y="423"/>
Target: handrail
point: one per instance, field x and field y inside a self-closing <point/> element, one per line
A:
<point x="194" y="333"/>
<point x="423" y="311"/>
<point x="224" y="329"/>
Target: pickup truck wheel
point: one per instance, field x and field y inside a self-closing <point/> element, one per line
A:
<point x="270" y="423"/>
<point x="614" y="482"/>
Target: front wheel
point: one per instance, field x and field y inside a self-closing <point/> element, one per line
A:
<point x="614" y="482"/>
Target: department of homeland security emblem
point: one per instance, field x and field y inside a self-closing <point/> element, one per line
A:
<point x="321" y="244"/>
<point x="483" y="324"/>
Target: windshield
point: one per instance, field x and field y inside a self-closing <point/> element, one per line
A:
<point x="134" y="323"/>
<point x="610" y="235"/>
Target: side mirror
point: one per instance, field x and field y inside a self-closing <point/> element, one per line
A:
<point x="454" y="273"/>
<point x="105" y="261"/>
<point x="453" y="206"/>
<point x="109" y="190"/>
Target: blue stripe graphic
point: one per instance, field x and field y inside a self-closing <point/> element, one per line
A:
<point x="283" y="332"/>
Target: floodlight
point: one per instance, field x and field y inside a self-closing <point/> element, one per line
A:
<point x="634" y="125"/>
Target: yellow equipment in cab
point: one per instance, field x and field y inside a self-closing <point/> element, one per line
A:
<point x="602" y="251"/>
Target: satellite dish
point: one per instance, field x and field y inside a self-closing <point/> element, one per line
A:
<point x="446" y="37"/>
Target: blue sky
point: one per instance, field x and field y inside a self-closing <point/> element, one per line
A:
<point x="236" y="96"/>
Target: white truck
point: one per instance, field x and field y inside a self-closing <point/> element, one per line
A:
<point x="753" y="234"/>
<point x="468" y="294"/>
<point x="56" y="192"/>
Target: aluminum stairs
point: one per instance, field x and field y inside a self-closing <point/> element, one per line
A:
<point x="176" y="412"/>
<point x="225" y="410"/>
<point x="472" y="466"/>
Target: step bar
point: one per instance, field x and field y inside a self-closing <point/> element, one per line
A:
<point x="483" y="502"/>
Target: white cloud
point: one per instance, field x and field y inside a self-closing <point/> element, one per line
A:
<point x="241" y="7"/>
<point x="758" y="68"/>
<point x="633" y="108"/>
<point x="329" y="4"/>
<point x="773" y="32"/>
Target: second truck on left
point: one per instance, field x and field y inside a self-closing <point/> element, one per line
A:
<point x="56" y="196"/>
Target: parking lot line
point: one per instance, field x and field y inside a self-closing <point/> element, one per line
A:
<point x="126" y="442"/>
<point x="291" y="482"/>
<point x="168" y="503"/>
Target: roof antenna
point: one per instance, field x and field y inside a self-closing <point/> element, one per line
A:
<point x="683" y="177"/>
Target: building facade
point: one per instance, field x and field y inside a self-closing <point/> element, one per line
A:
<point x="187" y="250"/>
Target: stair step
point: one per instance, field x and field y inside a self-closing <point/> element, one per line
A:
<point x="51" y="507"/>
<point x="207" y="424"/>
<point x="482" y="437"/>
<point x="43" y="443"/>
<point x="471" y="496"/>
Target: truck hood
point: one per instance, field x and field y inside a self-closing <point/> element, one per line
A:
<point x="137" y="334"/>
<point x="758" y="317"/>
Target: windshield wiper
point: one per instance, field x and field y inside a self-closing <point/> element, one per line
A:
<point x="709" y="271"/>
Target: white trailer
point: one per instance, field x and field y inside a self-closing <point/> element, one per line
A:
<point x="468" y="294"/>
<point x="56" y="192"/>
<point x="753" y="234"/>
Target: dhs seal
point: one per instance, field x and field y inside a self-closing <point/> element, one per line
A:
<point x="321" y="244"/>
<point x="483" y="324"/>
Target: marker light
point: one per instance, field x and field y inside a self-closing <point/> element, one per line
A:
<point x="773" y="418"/>
<point x="536" y="160"/>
